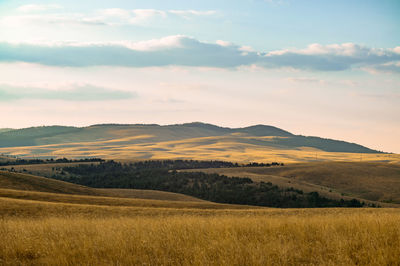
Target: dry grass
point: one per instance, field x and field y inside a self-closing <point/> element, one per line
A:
<point x="29" y="182"/>
<point x="236" y="148"/>
<point x="271" y="237"/>
<point x="18" y="197"/>
<point x="369" y="181"/>
<point x="42" y="228"/>
<point x="38" y="228"/>
<point x="18" y="181"/>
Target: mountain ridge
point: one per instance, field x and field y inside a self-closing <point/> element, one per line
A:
<point x="195" y="134"/>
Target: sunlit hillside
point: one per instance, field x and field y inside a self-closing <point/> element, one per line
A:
<point x="18" y="185"/>
<point x="187" y="141"/>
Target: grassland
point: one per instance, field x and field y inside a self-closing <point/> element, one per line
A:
<point x="78" y="234"/>
<point x="47" y="228"/>
<point x="188" y="141"/>
<point x="379" y="182"/>
<point x="228" y="148"/>
<point x="27" y="182"/>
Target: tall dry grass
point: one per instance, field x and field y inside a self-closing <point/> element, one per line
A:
<point x="275" y="237"/>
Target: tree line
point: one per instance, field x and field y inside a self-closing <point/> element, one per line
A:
<point x="19" y="161"/>
<point x="163" y="175"/>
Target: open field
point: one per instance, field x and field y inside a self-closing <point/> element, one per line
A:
<point x="368" y="181"/>
<point x="48" y="228"/>
<point x="41" y="204"/>
<point x="77" y="234"/>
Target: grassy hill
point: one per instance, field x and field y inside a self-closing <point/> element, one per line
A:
<point x="369" y="181"/>
<point x="26" y="182"/>
<point x="186" y="141"/>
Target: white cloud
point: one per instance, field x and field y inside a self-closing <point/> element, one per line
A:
<point x="37" y="8"/>
<point x="223" y="43"/>
<point x="345" y="49"/>
<point x="192" y="13"/>
<point x="396" y="49"/>
<point x="175" y="41"/>
<point x="187" y="51"/>
<point x="332" y="57"/>
<point x="110" y="16"/>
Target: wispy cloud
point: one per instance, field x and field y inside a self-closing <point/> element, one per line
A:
<point x="305" y="80"/>
<point x="332" y="57"/>
<point x="38" y="8"/>
<point x="187" y="14"/>
<point x="186" y="51"/>
<point x="390" y="67"/>
<point x="109" y="17"/>
<point x="74" y="92"/>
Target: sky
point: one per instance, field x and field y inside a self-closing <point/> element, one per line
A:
<point x="316" y="68"/>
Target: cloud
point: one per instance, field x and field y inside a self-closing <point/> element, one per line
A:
<point x="37" y="8"/>
<point x="85" y="92"/>
<point x="192" y="13"/>
<point x="390" y="67"/>
<point x="186" y="51"/>
<point x="53" y="19"/>
<point x="305" y="80"/>
<point x="119" y="16"/>
<point x="331" y="57"/>
<point x="107" y="17"/>
<point x="172" y="50"/>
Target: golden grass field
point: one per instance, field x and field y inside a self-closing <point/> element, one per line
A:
<point x="77" y="234"/>
<point x="235" y="148"/>
<point x="44" y="228"/>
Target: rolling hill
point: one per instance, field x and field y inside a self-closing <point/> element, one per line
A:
<point x="30" y="183"/>
<point x="367" y="181"/>
<point x="184" y="141"/>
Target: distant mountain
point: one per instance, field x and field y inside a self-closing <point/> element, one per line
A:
<point x="189" y="136"/>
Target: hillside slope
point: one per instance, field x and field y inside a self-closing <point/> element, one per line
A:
<point x="26" y="182"/>
<point x="369" y="181"/>
<point x="188" y="141"/>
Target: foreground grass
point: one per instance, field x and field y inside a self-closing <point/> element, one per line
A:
<point x="222" y="237"/>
